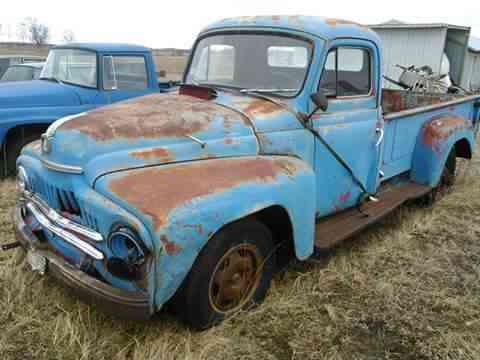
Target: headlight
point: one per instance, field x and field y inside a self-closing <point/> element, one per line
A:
<point x="124" y="245"/>
<point x="23" y="181"/>
<point x="128" y="254"/>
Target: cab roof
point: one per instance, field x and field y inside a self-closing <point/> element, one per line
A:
<point x="326" y="28"/>
<point x="105" y="47"/>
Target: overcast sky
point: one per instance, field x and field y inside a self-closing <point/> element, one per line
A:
<point x="161" y="24"/>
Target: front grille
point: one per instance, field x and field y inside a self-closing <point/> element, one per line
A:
<point x="68" y="202"/>
<point x="64" y="201"/>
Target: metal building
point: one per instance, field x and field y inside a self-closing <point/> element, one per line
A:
<point x="471" y="71"/>
<point x="423" y="44"/>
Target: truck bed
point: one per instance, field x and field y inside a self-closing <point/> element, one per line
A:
<point x="400" y="101"/>
<point x="405" y="113"/>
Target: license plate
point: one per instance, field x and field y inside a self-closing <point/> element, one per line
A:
<point x="37" y="262"/>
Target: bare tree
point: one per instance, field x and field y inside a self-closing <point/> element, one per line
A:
<point x="30" y="29"/>
<point x="68" y="36"/>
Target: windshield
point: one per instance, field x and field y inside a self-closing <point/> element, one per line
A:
<point x="18" y="73"/>
<point x="253" y="62"/>
<point x="78" y="67"/>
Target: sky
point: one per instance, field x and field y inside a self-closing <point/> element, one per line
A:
<point x="162" y="24"/>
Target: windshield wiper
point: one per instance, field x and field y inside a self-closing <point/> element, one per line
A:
<point x="51" y="78"/>
<point x="267" y="90"/>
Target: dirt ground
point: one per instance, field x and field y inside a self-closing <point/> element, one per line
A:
<point x="408" y="288"/>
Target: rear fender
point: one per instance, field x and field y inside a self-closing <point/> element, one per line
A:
<point x="184" y="205"/>
<point x="436" y="139"/>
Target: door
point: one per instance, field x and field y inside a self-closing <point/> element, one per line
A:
<point x="124" y="77"/>
<point x="352" y="126"/>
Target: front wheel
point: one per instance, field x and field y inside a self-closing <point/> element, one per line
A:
<point x="231" y="273"/>
<point x="14" y="148"/>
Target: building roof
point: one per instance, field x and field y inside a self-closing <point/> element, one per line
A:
<point x="322" y="27"/>
<point x="105" y="47"/>
<point x="397" y="24"/>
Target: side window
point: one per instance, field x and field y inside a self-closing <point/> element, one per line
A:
<point x="124" y="73"/>
<point x="216" y="64"/>
<point x="347" y="72"/>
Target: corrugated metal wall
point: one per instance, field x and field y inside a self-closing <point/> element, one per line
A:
<point x="411" y="47"/>
<point x="471" y="71"/>
<point x="456" y="49"/>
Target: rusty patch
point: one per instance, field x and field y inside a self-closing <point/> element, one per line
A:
<point x="197" y="227"/>
<point x="338" y="22"/>
<point x="287" y="166"/>
<point x="170" y="247"/>
<point x="260" y="107"/>
<point x="246" y="19"/>
<point x="151" y="116"/>
<point x="437" y="131"/>
<point x="403" y="101"/>
<point x="295" y="20"/>
<point x="152" y="154"/>
<point x="150" y="189"/>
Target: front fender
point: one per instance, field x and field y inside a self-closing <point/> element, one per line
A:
<point x="436" y="139"/>
<point x="185" y="204"/>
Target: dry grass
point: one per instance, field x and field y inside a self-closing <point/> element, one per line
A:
<point x="406" y="289"/>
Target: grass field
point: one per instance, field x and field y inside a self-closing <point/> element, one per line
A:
<point x="408" y="288"/>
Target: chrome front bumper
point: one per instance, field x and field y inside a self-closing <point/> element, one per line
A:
<point x="120" y="303"/>
<point x="62" y="226"/>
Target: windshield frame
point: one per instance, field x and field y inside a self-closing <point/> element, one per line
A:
<point x="97" y="67"/>
<point x="251" y="31"/>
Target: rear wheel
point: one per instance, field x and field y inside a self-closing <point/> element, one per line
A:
<point x="447" y="180"/>
<point x="231" y="273"/>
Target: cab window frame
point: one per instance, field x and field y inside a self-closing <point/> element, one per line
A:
<point x="371" y="74"/>
<point x="123" y="55"/>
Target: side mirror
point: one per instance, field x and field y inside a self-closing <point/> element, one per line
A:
<point x="320" y="100"/>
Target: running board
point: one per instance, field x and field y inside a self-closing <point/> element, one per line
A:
<point x="338" y="227"/>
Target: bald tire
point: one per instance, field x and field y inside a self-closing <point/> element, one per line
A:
<point x="447" y="180"/>
<point x="192" y="301"/>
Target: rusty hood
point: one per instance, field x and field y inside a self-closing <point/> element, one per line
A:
<point x="151" y="130"/>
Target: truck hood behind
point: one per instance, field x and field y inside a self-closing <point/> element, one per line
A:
<point x="36" y="93"/>
<point x="151" y="130"/>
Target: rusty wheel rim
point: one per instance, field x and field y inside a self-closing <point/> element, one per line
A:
<point x="235" y="278"/>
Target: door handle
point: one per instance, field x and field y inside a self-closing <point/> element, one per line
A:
<point x="380" y="138"/>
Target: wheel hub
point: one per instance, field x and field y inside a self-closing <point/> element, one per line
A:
<point x="235" y="278"/>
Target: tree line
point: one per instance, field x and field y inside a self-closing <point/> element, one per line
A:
<point x="32" y="30"/>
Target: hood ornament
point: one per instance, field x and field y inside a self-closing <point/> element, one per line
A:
<point x="45" y="144"/>
<point x="50" y="133"/>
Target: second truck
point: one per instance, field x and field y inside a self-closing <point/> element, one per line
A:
<point x="76" y="78"/>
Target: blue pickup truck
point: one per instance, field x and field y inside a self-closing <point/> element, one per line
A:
<point x="279" y="143"/>
<point x="75" y="79"/>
